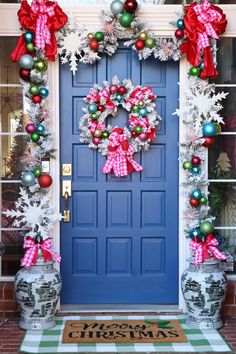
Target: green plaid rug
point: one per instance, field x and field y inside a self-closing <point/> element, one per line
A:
<point x="49" y="341"/>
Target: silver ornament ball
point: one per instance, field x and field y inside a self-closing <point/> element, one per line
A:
<point x="26" y="61"/>
<point x="28" y="179"/>
<point x="116" y="7"/>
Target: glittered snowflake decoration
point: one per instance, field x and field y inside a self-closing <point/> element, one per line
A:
<point x="200" y="103"/>
<point x="72" y="44"/>
<point x="33" y="213"/>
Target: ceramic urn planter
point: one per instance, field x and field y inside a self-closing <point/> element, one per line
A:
<point x="204" y="288"/>
<point x="37" y="291"/>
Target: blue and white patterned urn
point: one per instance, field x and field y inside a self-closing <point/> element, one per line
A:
<point x="37" y="291"/>
<point x="204" y="288"/>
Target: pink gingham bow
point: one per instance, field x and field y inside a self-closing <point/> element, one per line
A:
<point x="42" y="34"/>
<point x="206" y="16"/>
<point x="139" y="94"/>
<point x="120" y="155"/>
<point x="202" y="249"/>
<point x="31" y="254"/>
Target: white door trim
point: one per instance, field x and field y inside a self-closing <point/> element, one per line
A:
<point x="159" y="22"/>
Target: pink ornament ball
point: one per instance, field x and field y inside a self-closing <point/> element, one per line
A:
<point x="196" y="161"/>
<point x="143" y="137"/>
<point x="30" y="128"/>
<point x="113" y="89"/>
<point x="96" y="141"/>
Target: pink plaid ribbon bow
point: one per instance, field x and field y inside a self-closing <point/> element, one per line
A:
<point x="140" y="94"/>
<point x="120" y="156"/>
<point x="42" y="35"/>
<point x="206" y="16"/>
<point x="201" y="249"/>
<point x="31" y="254"/>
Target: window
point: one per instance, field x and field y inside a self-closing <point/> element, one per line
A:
<point x="222" y="157"/>
<point x="12" y="146"/>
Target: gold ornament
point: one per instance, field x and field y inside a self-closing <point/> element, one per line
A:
<point x="141" y="104"/>
<point x="97" y="133"/>
<point x="90" y="35"/>
<point x="143" y="36"/>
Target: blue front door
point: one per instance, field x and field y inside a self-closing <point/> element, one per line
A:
<point x="121" y="246"/>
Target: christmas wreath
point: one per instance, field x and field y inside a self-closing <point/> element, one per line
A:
<point x="119" y="144"/>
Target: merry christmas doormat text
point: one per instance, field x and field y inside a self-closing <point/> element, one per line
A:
<point x="123" y="331"/>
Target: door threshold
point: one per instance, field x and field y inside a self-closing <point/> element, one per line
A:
<point x="118" y="308"/>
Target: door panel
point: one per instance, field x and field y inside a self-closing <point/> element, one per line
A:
<point x="121" y="246"/>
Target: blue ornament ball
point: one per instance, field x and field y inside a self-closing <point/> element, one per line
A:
<point x="43" y="92"/>
<point x="196" y="170"/>
<point x="26" y="61"/>
<point x="143" y="112"/>
<point x="195" y="233"/>
<point x="196" y="194"/>
<point x="28" y="179"/>
<point x="119" y="98"/>
<point x="29" y="36"/>
<point x="92" y="108"/>
<point x="40" y="129"/>
<point x="180" y="24"/>
<point x="201" y="66"/>
<point x="116" y="7"/>
<point x="209" y="129"/>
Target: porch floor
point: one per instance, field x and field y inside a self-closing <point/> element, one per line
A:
<point x="11" y="336"/>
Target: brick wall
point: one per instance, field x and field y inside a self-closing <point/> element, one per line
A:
<point x="8" y="305"/>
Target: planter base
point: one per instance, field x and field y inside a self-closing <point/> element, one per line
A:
<point x="37" y="324"/>
<point x="191" y="322"/>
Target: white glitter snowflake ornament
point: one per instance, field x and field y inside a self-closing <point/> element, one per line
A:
<point x="34" y="214"/>
<point x="71" y="45"/>
<point x="200" y="103"/>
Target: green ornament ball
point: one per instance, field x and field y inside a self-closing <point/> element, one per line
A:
<point x="37" y="171"/>
<point x="194" y="71"/>
<point x="105" y="135"/>
<point x="34" y="90"/>
<point x="126" y="19"/>
<point x="94" y="116"/>
<point x="41" y="66"/>
<point x="207" y="227"/>
<point x="138" y="129"/>
<point x="99" y="36"/>
<point x="187" y="165"/>
<point x="203" y="200"/>
<point x="150" y="43"/>
<point x="135" y="109"/>
<point x="35" y="137"/>
<point x="30" y="47"/>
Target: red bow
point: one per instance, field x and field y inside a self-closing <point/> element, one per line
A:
<point x="120" y="156"/>
<point x="31" y="254"/>
<point x="202" y="249"/>
<point x="201" y="22"/>
<point x="29" y="19"/>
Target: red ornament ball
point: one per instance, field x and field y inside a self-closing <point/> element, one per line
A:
<point x="24" y="74"/>
<point x="37" y="99"/>
<point x="196" y="161"/>
<point x="101" y="108"/>
<point x="194" y="202"/>
<point x="134" y="134"/>
<point x="139" y="44"/>
<point x="113" y="89"/>
<point x="130" y="5"/>
<point x="96" y="141"/>
<point x="44" y="180"/>
<point x="122" y="90"/>
<point x="94" y="45"/>
<point x="179" y="33"/>
<point x="209" y="141"/>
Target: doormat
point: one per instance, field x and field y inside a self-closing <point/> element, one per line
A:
<point x="50" y="341"/>
<point x="123" y="331"/>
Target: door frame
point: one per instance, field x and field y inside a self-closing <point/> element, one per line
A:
<point x="89" y="16"/>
